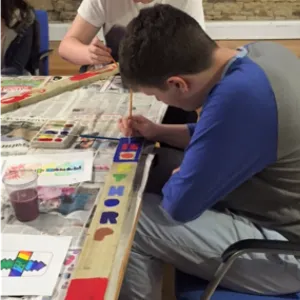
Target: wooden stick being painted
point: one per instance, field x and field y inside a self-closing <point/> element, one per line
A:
<point x="94" y="268"/>
<point x="56" y="88"/>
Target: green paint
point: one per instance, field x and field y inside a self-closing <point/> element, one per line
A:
<point x="7" y="264"/>
<point x="119" y="177"/>
<point x="21" y="263"/>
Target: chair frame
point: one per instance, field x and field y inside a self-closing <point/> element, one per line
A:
<point x="44" y="51"/>
<point x="243" y="247"/>
<point x="43" y="55"/>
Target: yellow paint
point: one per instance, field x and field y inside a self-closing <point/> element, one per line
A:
<point x="124" y="168"/>
<point x="24" y="256"/>
<point x="46" y="136"/>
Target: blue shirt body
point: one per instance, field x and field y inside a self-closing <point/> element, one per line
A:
<point x="235" y="138"/>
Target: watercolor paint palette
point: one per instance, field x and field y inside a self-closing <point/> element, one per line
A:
<point x="57" y="134"/>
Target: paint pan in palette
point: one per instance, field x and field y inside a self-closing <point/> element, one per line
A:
<point x="57" y="134"/>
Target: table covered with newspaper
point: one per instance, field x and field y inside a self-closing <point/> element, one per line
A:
<point x="66" y="210"/>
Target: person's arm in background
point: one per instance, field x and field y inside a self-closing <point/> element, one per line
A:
<point x="18" y="54"/>
<point x="80" y="46"/>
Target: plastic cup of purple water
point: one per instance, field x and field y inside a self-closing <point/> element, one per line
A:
<point x="21" y="186"/>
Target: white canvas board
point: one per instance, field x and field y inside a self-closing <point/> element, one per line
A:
<point x="30" y="264"/>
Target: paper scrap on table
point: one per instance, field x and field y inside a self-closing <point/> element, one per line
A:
<point x="2" y="161"/>
<point x="54" y="169"/>
<point x="30" y="264"/>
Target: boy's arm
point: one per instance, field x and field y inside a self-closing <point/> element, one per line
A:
<point x="227" y="148"/>
<point x="177" y="136"/>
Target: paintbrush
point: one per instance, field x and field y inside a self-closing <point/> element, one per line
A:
<point x="130" y="110"/>
<point x="130" y="104"/>
<point x="88" y="136"/>
<point x="114" y="61"/>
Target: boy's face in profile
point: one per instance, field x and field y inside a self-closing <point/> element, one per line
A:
<point x="175" y="94"/>
<point x="187" y="92"/>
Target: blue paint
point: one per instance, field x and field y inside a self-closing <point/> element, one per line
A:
<point x="111" y="202"/>
<point x="50" y="132"/>
<point x="123" y="141"/>
<point x="116" y="190"/>
<point x="109" y="217"/>
<point x="64" y="132"/>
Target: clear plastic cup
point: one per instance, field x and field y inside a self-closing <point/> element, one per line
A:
<point x="21" y="186"/>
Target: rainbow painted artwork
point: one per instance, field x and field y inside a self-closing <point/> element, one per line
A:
<point x="30" y="264"/>
<point x="23" y="263"/>
<point x="54" y="169"/>
<point x="51" y="169"/>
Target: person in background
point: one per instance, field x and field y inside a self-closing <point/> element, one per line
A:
<point x="81" y="46"/>
<point x="239" y="168"/>
<point x="18" y="41"/>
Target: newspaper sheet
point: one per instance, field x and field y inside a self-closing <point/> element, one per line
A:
<point x="67" y="210"/>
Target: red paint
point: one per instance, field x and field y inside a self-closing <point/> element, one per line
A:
<point x="21" y="97"/>
<point x="58" y="140"/>
<point x="14" y="99"/>
<point x="69" y="259"/>
<point x="45" y="140"/>
<point x="82" y="76"/>
<point x="86" y="75"/>
<point x="127" y="155"/>
<point x="87" y="289"/>
<point x="124" y="147"/>
<point x="69" y="125"/>
<point x="134" y="147"/>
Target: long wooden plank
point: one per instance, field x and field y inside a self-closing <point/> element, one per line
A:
<point x="91" y="276"/>
<point x="56" y="88"/>
<point x="129" y="229"/>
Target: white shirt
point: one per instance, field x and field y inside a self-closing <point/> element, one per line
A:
<point x="114" y="15"/>
<point x="107" y="13"/>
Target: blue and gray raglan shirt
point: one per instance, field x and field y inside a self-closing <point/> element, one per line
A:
<point x="235" y="138"/>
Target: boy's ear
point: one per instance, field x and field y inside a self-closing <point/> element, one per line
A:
<point x="178" y="83"/>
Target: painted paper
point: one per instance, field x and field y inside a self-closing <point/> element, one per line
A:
<point x="30" y="264"/>
<point x="54" y="169"/>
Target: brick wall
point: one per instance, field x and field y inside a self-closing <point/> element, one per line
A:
<point x="65" y="10"/>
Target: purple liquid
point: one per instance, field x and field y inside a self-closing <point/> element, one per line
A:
<point x="25" y="203"/>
